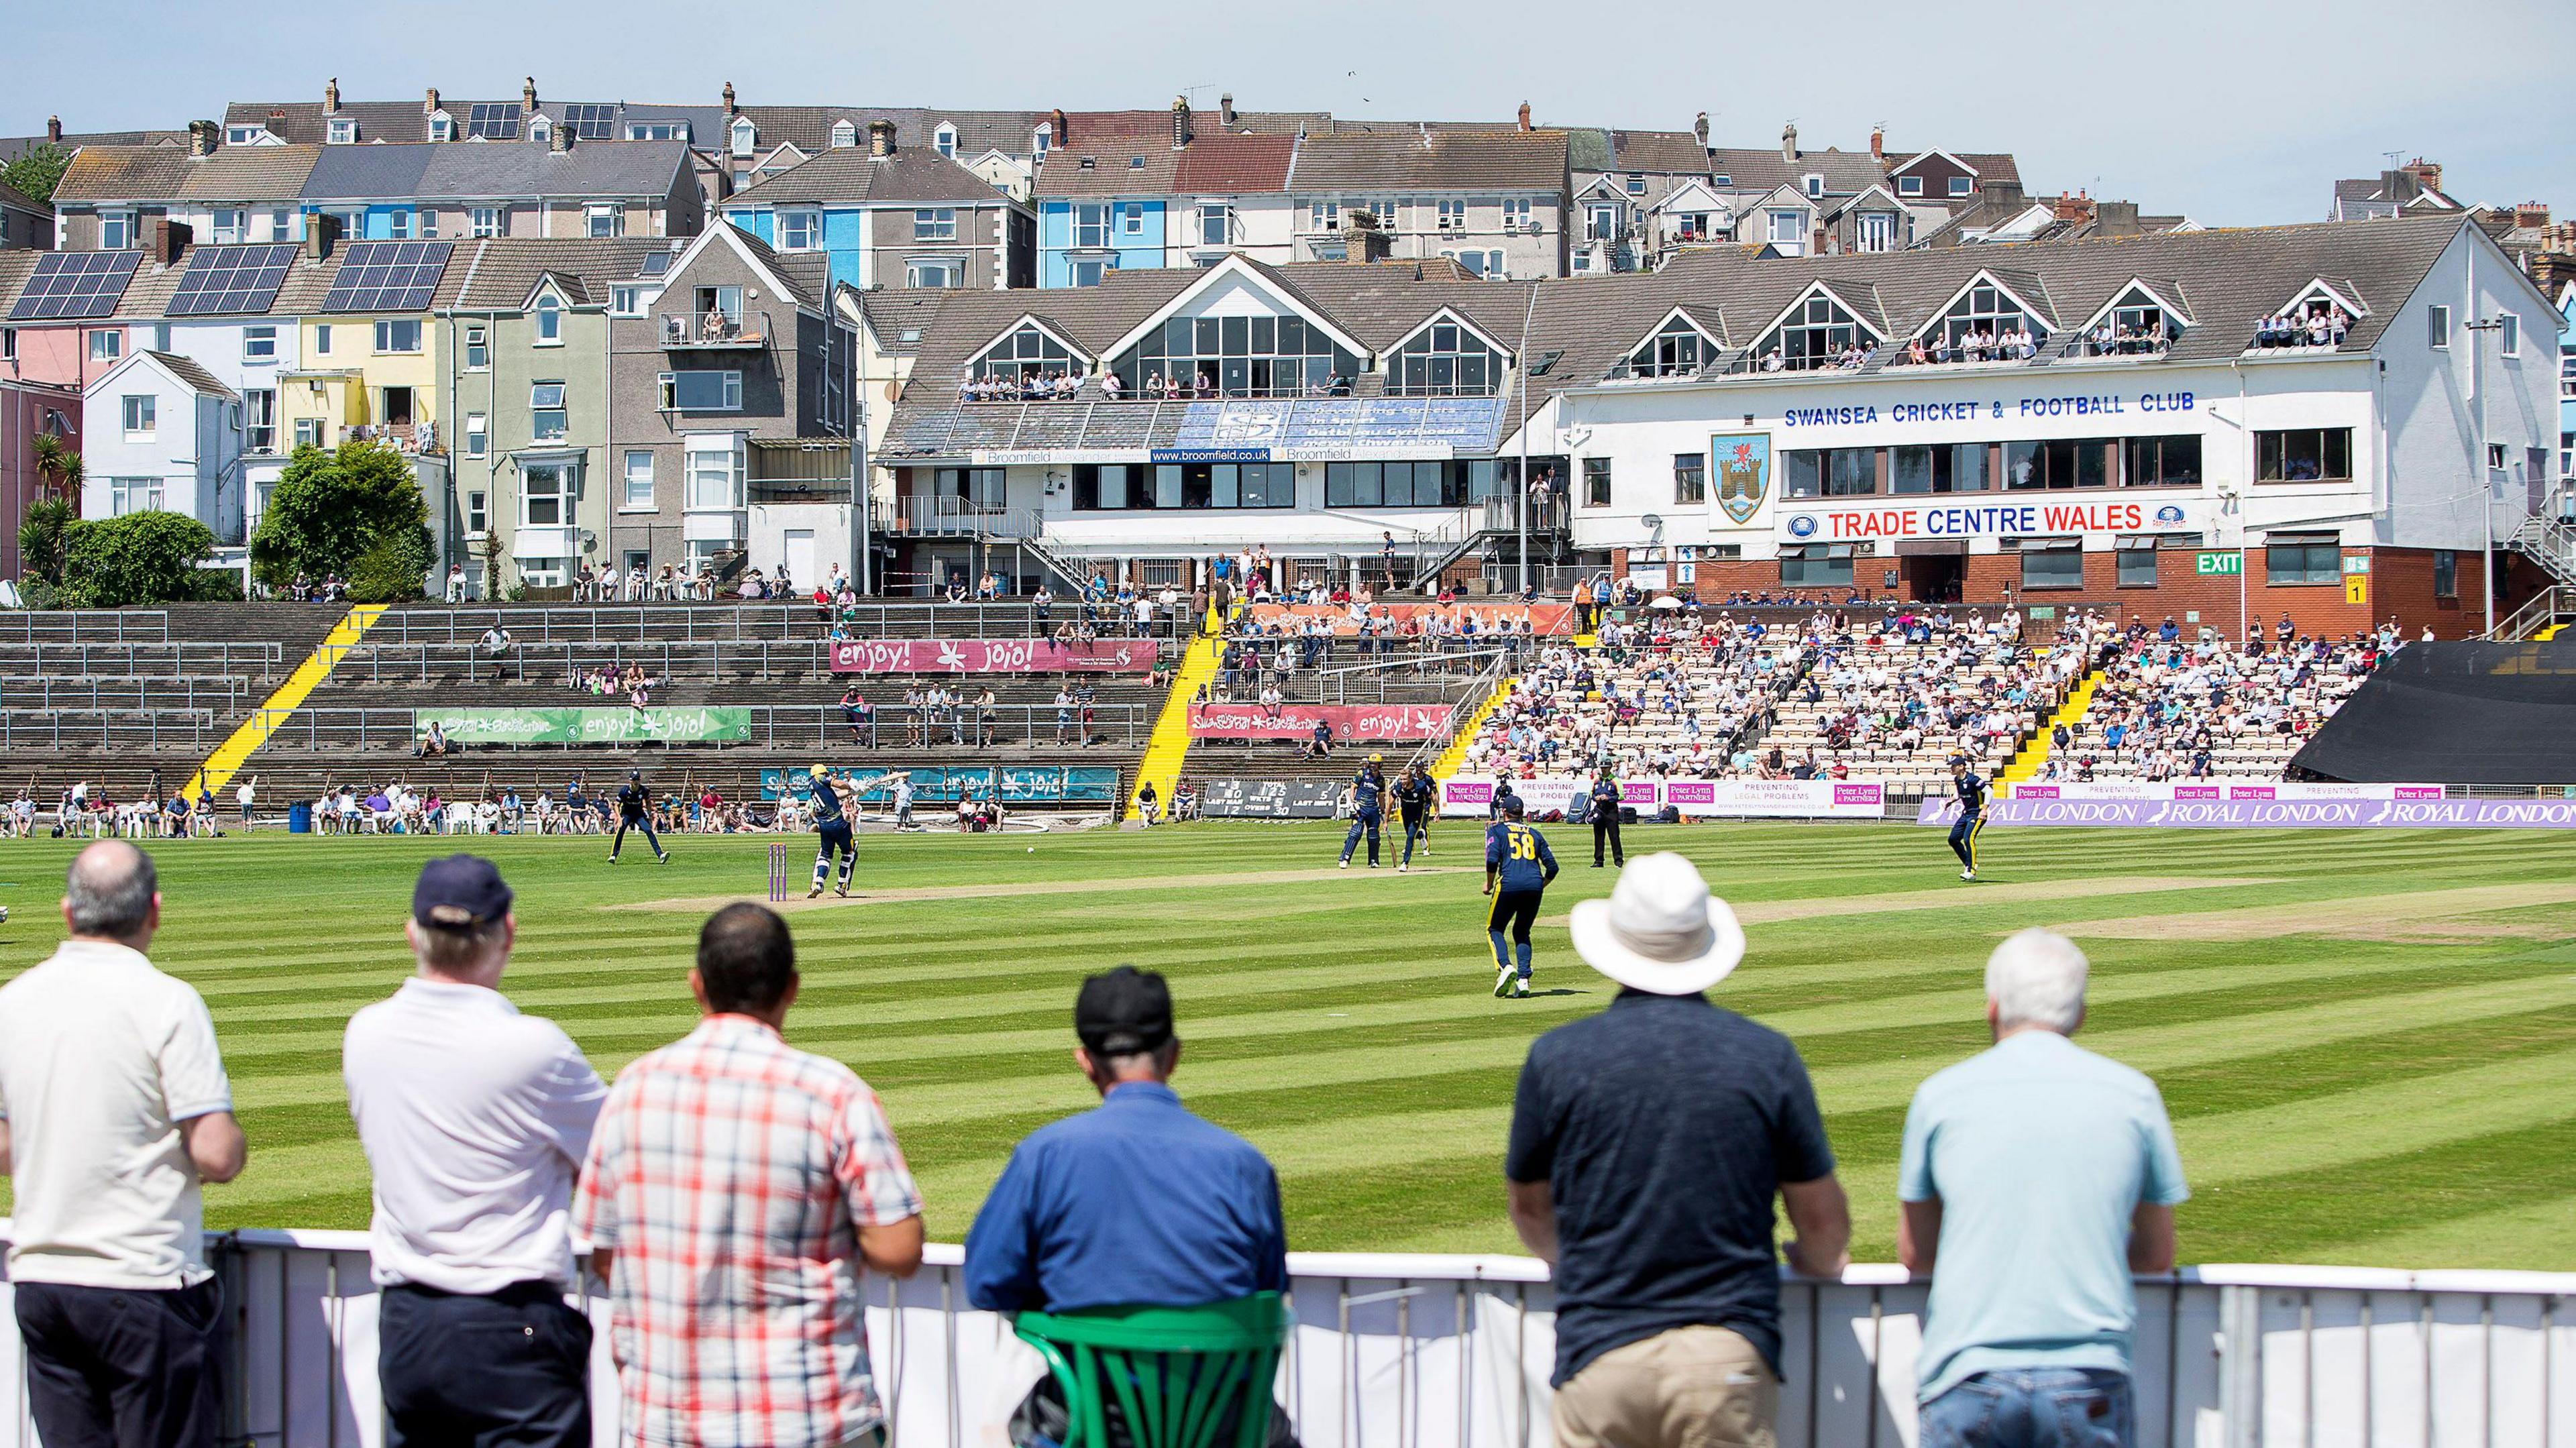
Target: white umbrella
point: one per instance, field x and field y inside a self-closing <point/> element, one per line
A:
<point x="1666" y="601"/>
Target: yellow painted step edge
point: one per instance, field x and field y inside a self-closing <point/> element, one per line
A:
<point x="2071" y="713"/>
<point x="1168" y="747"/>
<point x="229" y="756"/>
<point x="1456" y="753"/>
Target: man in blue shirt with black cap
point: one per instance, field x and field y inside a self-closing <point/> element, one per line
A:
<point x="1135" y="1203"/>
<point x="1368" y="811"/>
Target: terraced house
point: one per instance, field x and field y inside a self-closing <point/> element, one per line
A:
<point x="111" y="197"/>
<point x="527" y="404"/>
<point x="884" y="217"/>
<point x="732" y="406"/>
<point x="468" y="189"/>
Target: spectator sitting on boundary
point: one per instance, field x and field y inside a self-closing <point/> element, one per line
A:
<point x="2035" y="1178"/>
<point x="1647" y="1143"/>
<point x="1137" y="1203"/>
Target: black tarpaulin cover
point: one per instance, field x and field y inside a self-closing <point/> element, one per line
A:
<point x="2456" y="713"/>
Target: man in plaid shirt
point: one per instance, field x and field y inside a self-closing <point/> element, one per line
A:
<point x="737" y="1185"/>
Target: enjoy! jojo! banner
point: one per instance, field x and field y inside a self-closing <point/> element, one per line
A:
<point x="991" y="656"/>
<point x="676" y="725"/>
<point x="1351" y="723"/>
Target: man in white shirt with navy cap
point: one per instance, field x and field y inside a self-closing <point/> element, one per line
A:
<point x="475" y="1120"/>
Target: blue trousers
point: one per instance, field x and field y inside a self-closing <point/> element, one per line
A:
<point x="645" y="824"/>
<point x="2033" y="1408"/>
<point x="1367" y="820"/>
<point x="1416" y="827"/>
<point x="835" y="840"/>
<point x="1963" y="839"/>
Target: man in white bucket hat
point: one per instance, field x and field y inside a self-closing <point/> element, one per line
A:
<point x="1647" y="1145"/>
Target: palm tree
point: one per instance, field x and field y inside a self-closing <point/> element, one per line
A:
<point x="59" y="465"/>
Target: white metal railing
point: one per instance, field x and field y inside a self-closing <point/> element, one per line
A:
<point x="141" y="660"/>
<point x="708" y="623"/>
<point x="772" y="726"/>
<point x="85" y="625"/>
<point x="1455" y="1352"/>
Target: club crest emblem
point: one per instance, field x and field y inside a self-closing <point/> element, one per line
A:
<point x="1743" y="462"/>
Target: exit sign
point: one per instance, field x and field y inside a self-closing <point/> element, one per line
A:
<point x="2215" y="564"/>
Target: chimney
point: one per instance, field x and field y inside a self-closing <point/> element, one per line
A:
<point x="728" y="99"/>
<point x="1366" y="239"/>
<point x="1699" y="128"/>
<point x="202" y="136"/>
<point x="54" y="130"/>
<point x="2072" y="207"/>
<point x="331" y="97"/>
<point x="1525" y="115"/>
<point x="880" y="138"/>
<point x="1180" y="122"/>
<point x="528" y="97"/>
<point x="429" y="107"/>
<point x="169" y="240"/>
<point x="2427" y="174"/>
<point x="2000" y="193"/>
<point x="2115" y="218"/>
<point x="559" y="137"/>
<point x="1225" y="110"/>
<point x="1055" y="123"/>
<point x="2531" y="215"/>
<point x="321" y="233"/>
<point x="1878" y="143"/>
<point x="1789" y="142"/>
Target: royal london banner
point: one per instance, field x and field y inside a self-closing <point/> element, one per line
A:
<point x="991" y="656"/>
<point x="2280" y="813"/>
<point x="675" y="725"/>
<point x="1351" y="723"/>
<point x="1473" y="794"/>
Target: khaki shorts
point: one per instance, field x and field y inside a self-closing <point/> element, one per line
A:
<point x="1690" y="1387"/>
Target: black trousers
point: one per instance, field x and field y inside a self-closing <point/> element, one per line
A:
<point x="113" y="1367"/>
<point x="503" y="1371"/>
<point x="1605" y="827"/>
<point x="623" y="825"/>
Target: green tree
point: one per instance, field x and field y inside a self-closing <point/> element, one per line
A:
<point x="43" y="536"/>
<point x="331" y="509"/>
<point x="148" y="557"/>
<point x="37" y="171"/>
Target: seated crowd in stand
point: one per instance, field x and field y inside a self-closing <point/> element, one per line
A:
<point x="1977" y="344"/>
<point x="2318" y="324"/>
<point x="2202" y="708"/>
<point x="1675" y="695"/>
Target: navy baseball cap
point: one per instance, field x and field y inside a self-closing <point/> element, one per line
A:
<point x="460" y="892"/>
<point x="1123" y="1012"/>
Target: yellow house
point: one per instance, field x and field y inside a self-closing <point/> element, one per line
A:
<point x="366" y="375"/>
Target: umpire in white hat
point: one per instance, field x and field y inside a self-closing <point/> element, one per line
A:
<point x="1647" y="1145"/>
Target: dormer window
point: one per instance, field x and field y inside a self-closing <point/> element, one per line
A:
<point x="1029" y="350"/>
<point x="549" y="321"/>
<point x="2137" y="323"/>
<point x="241" y="135"/>
<point x="1962" y="185"/>
<point x="1721" y="180"/>
<point x="944" y="140"/>
<point x="844" y="133"/>
<point x="1985" y="323"/>
<point x="343" y="133"/>
<point x="1817" y="332"/>
<point x="442" y="127"/>
<point x="1039" y="140"/>
<point x="1909" y="185"/>
<point x="1636" y="183"/>
<point x="2320" y="316"/>
<point x="1815" y="185"/>
<point x="1444" y="360"/>
<point x="1678" y="349"/>
<point x="540" y="129"/>
<point x="746" y="136"/>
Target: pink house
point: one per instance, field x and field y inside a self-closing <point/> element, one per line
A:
<point x="29" y="410"/>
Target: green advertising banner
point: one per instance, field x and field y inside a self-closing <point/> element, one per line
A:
<point x="586" y="726"/>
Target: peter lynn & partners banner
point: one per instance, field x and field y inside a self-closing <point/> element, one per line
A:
<point x="1473" y="794"/>
<point x="991" y="656"/>
<point x="675" y="725"/>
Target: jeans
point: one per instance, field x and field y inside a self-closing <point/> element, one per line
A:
<point x="2033" y="1408"/>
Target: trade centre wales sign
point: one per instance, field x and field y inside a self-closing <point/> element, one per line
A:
<point x="1820" y="520"/>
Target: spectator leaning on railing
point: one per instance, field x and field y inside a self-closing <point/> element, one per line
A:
<point x="2035" y="1177"/>
<point x="116" y="1107"/>
<point x="475" y="1119"/>
<point x="734" y="1190"/>
<point x="1647" y="1143"/>
<point x="1138" y="1203"/>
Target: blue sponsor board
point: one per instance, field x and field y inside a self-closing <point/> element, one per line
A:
<point x="1017" y="784"/>
<point x="1304" y="424"/>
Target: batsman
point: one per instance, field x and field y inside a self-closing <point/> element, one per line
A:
<point x="832" y="822"/>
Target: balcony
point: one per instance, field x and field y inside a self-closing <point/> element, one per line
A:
<point x="718" y="331"/>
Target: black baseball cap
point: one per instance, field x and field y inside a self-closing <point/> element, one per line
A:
<point x="460" y="892"/>
<point x="1123" y="1012"/>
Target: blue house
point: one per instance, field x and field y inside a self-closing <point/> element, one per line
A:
<point x="1103" y="206"/>
<point x="2567" y="385"/>
<point x="893" y="219"/>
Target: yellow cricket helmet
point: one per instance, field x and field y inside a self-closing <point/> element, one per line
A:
<point x="819" y="771"/>
<point x="1377" y="759"/>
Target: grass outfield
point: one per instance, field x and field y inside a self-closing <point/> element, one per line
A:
<point x="2366" y="1039"/>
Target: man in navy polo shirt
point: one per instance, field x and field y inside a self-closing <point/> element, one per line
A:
<point x="1647" y="1143"/>
<point x="1135" y="1203"/>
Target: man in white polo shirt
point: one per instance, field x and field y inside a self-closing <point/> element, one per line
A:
<point x="475" y="1120"/>
<point x="113" y="1107"/>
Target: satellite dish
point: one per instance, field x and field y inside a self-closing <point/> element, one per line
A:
<point x="1653" y="520"/>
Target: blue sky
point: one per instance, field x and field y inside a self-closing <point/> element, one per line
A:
<point x="2236" y="112"/>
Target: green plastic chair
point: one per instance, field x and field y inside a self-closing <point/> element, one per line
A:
<point x="1182" y="1377"/>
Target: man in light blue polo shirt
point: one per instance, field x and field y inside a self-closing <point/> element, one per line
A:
<point x="2036" y="1177"/>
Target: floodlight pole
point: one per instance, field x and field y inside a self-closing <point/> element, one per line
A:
<point x="2481" y="471"/>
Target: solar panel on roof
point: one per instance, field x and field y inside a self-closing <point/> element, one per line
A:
<point x="75" y="284"/>
<point x="591" y="122"/>
<point x="232" y="279"/>
<point x="657" y="263"/>
<point x="493" y="121"/>
<point x="388" y="276"/>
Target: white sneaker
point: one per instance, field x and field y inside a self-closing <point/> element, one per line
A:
<point x="1520" y="988"/>
<point x="1346" y="864"/>
<point x="1967" y="874"/>
<point x="1401" y="867"/>
<point x="1503" y="983"/>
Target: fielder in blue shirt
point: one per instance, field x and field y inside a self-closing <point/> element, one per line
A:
<point x="1416" y="797"/>
<point x="1518" y="861"/>
<point x="1368" y="810"/>
<point x="1972" y="791"/>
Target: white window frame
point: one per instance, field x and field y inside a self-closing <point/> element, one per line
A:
<point x="258" y="402"/>
<point x="913" y="268"/>
<point x="1040" y="141"/>
<point x="944" y="140"/>
<point x="242" y="135"/>
<point x="478" y="435"/>
<point x="627" y="300"/>
<point x="116" y="230"/>
<point x="1322" y="215"/>
<point x="1092" y="216"/>
<point x="800" y="229"/>
<point x="385" y="332"/>
<point x="321" y="339"/>
<point x="442" y="128"/>
<point x="140" y="415"/>
<point x="1131" y="218"/>
<point x="230" y="225"/>
<point x="478" y="513"/>
<point x="398" y="224"/>
<point x="2508" y="335"/>
<point x="106" y="344"/>
<point x="341" y="133"/>
<point x="1883" y="223"/>
<point x="699" y="476"/>
<point x="544" y="397"/>
<point x="1963" y="186"/>
<point x="253" y="354"/>
<point x="603" y="219"/>
<point x="628" y="477"/>
<point x="1452" y="216"/>
<point x="1909" y="185"/>
<point x="934" y="223"/>
<point x="1813" y="185"/>
<point x="731" y="388"/>
<point x="561" y="493"/>
<point x="844" y="134"/>
<point x="1797" y="221"/>
<point x="1516" y="212"/>
<point x="2437" y="327"/>
<point x="743" y="136"/>
<point x="1221" y="213"/>
<point x="485" y="221"/>
<point x="478" y="348"/>
<point x="549" y="321"/>
<point x="134" y="495"/>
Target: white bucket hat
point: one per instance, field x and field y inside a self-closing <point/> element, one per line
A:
<point x="1660" y="931"/>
